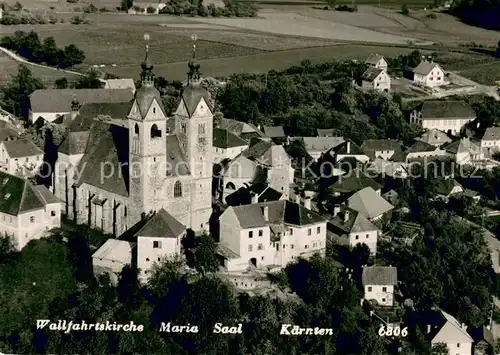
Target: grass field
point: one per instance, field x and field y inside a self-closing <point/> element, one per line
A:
<point x="262" y="62"/>
<point x="486" y="74"/>
<point x="8" y="69"/>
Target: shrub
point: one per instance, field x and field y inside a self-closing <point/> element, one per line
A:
<point x="404" y="10"/>
<point x="150" y="10"/>
<point x="76" y="20"/>
<point x="77" y="9"/>
<point x="432" y="16"/>
<point x="90" y="9"/>
<point x="73" y="1"/>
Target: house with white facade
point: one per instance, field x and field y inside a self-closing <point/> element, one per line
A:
<point x="349" y="227"/>
<point x="490" y="143"/>
<point x="269" y="235"/>
<point x="317" y="146"/>
<point x="377" y="61"/>
<point x="20" y="157"/>
<point x="348" y="149"/>
<point x="369" y="203"/>
<point x="120" y="84"/>
<point x="262" y="162"/>
<point x="27" y="212"/>
<point x="226" y="145"/>
<point x="112" y="257"/>
<point x="434" y="137"/>
<point x="381" y="148"/>
<point x="428" y="73"/>
<point x="160" y="238"/>
<point x="375" y="79"/>
<point x="421" y="150"/>
<point x="50" y="104"/>
<point x="465" y="151"/>
<point x="385" y="168"/>
<point x="379" y="283"/>
<point x="443" y="328"/>
<point x="447" y="116"/>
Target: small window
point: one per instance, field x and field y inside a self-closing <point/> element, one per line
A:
<point x="318" y="230"/>
<point x="147" y="259"/>
<point x="369" y="289"/>
<point x="125" y="211"/>
<point x="250" y="234"/>
<point x="159" y="259"/>
<point x="314" y="245"/>
<point x="250" y="248"/>
<point x="309" y="231"/>
<point x="53" y="213"/>
<point x="260" y="247"/>
<point x="384" y="289"/>
<point x="458" y="345"/>
<point x="291" y="246"/>
<point x="261" y="258"/>
<point x="291" y="231"/>
<point x="367" y="236"/>
<point x="154" y="111"/>
<point x="32" y="219"/>
<point x="356" y="237"/>
<point x="261" y="233"/>
<point x="27" y="160"/>
<point x="201" y="128"/>
<point x="383" y="300"/>
<point x="306" y="246"/>
<point x="156" y="244"/>
<point x="178" y="189"/>
<point x="155" y="132"/>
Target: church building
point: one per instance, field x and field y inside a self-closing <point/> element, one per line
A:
<point x="122" y="161"/>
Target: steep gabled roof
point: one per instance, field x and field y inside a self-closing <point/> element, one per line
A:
<point x="162" y="225"/>
<point x="222" y="138"/>
<point x="354" y="181"/>
<point x="369" y="203"/>
<point x="371" y="74"/>
<point x="20" y="148"/>
<point x="451" y="331"/>
<point x="434" y="137"/>
<point x="491" y="134"/>
<point x="425" y="67"/>
<point x="17" y="195"/>
<point x="438" y="109"/>
<point x="355" y="223"/>
<point x="380" y="275"/>
<point x="274" y="131"/>
<point x="373" y="59"/>
<point x="191" y="96"/>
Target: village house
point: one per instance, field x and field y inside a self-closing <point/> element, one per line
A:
<point x="168" y="160"/>
<point x="379" y="283"/>
<point x="420" y="150"/>
<point x="385" y="168"/>
<point x="325" y="132"/>
<point x="381" y="148"/>
<point x="50" y="104"/>
<point x="490" y="143"/>
<point x="434" y="137"/>
<point x="465" y="151"/>
<point x="317" y="146"/>
<point x="27" y="212"/>
<point x="352" y="182"/>
<point x="428" y="73"/>
<point x="262" y="162"/>
<point x="159" y="238"/>
<point x="443" y="328"/>
<point x="446" y="116"/>
<point x="246" y="131"/>
<point x="269" y="235"/>
<point x="274" y="131"/>
<point x="120" y="84"/>
<point x="112" y="257"/>
<point x="447" y="188"/>
<point x="348" y="149"/>
<point x="226" y="145"/>
<point x="20" y="157"/>
<point x="369" y="203"/>
<point x="349" y="227"/>
<point x="377" y="61"/>
<point x="375" y="79"/>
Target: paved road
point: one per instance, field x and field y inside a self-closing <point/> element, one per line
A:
<point x="25" y="61"/>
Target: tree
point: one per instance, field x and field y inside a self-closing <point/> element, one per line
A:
<point x="205" y="259"/>
<point x="89" y="81"/>
<point x="70" y="56"/>
<point x="6" y="248"/>
<point x="61" y="83"/>
<point x="404" y="10"/>
<point x="331" y="3"/>
<point x="50" y="52"/>
<point x="125" y="5"/>
<point x="17" y="92"/>
<point x="80" y="256"/>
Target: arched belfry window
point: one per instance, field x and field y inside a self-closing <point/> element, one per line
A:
<point x="155" y="132"/>
<point x="178" y="189"/>
<point x="136" y="129"/>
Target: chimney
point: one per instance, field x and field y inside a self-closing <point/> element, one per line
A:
<point x="265" y="212"/>
<point x="336" y="210"/>
<point x="348" y="147"/>
<point x="464" y="327"/>
<point x="75" y="107"/>
<point x="307" y="203"/>
<point x="424" y="59"/>
<point x="428" y="328"/>
<point x="346" y="215"/>
<point x="297" y="198"/>
<point x="254" y="198"/>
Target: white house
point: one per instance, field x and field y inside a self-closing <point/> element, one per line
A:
<point x="349" y="227"/>
<point x="51" y="104"/>
<point x="269" y="235"/>
<point x="451" y="332"/>
<point x="369" y="203"/>
<point x="120" y="84"/>
<point x="348" y="149"/>
<point x="376" y="79"/>
<point x="490" y="143"/>
<point x="420" y="150"/>
<point x="379" y="283"/>
<point x="27" y="211"/>
<point x="20" y="157"/>
<point x="160" y="238"/>
<point x="112" y="257"/>
<point x="262" y="162"/>
<point x="428" y="74"/>
<point x="393" y="169"/>
<point x="465" y="151"/>
<point x="446" y="116"/>
<point x="377" y="61"/>
<point x="226" y="145"/>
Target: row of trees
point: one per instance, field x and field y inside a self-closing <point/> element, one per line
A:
<point x="196" y="8"/>
<point x="29" y="45"/>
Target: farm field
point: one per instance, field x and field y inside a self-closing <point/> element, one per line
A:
<point x="486" y="74"/>
<point x="8" y="69"/>
<point x="262" y="62"/>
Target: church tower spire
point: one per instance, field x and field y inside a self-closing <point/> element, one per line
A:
<point x="194" y="74"/>
<point x="147" y="76"/>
